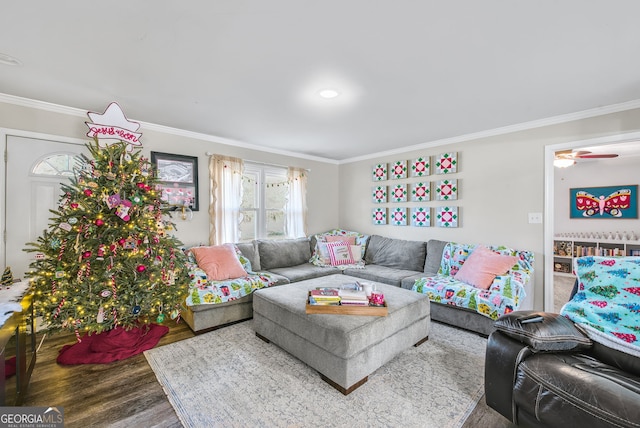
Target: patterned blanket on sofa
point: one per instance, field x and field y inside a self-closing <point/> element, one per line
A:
<point x="504" y="295"/>
<point x="607" y="304"/>
<point x="204" y="291"/>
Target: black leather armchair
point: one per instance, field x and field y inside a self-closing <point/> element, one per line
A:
<point x="547" y="373"/>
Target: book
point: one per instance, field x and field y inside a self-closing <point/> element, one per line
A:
<point x="353" y="295"/>
<point x="354" y="302"/>
<point x="329" y="292"/>
<point x="324" y="295"/>
<point x="315" y="301"/>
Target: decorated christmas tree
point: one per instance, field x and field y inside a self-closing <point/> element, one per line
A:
<point x="7" y="277"/>
<point x="108" y="258"/>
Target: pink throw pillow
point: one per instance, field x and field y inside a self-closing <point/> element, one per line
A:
<point x="482" y="266"/>
<point x="220" y="262"/>
<point x="340" y="253"/>
<point x="340" y="238"/>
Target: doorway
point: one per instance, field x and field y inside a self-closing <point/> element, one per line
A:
<point x="551" y="210"/>
<point x="35" y="166"/>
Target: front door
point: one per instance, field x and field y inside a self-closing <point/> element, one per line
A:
<point x="35" y="168"/>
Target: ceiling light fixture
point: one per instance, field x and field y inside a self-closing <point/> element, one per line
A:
<point x="563" y="163"/>
<point x="328" y="93"/>
<point x="8" y="60"/>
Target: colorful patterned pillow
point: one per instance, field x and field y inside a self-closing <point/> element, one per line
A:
<point x="607" y="304"/>
<point x="320" y="256"/>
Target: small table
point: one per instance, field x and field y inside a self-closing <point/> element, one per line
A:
<point x="344" y="349"/>
<point x="17" y="338"/>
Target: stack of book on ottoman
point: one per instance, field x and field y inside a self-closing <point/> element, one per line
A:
<point x="324" y="296"/>
<point x="344" y="301"/>
<point x="353" y="298"/>
<point x="336" y="296"/>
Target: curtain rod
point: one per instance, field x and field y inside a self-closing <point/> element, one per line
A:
<point x="261" y="163"/>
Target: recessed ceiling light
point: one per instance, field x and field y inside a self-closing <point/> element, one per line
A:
<point x="8" y="60"/>
<point x="328" y="93"/>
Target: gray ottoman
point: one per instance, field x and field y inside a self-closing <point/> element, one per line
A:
<point x="345" y="349"/>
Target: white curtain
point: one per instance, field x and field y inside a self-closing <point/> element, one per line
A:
<point x="296" y="208"/>
<point x="225" y="174"/>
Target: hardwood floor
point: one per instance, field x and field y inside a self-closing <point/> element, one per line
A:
<point x="121" y="394"/>
<point x="127" y="394"/>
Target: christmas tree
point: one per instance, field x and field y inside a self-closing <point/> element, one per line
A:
<point x="107" y="258"/>
<point x="7" y="277"/>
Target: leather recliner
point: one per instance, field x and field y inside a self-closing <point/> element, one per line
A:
<point x="548" y="373"/>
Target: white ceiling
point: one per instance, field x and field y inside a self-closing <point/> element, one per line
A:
<point x="410" y="72"/>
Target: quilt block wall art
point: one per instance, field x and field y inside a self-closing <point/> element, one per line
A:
<point x="421" y="216"/>
<point x="379" y="172"/>
<point x="379" y="216"/>
<point x="399" y="216"/>
<point x="399" y="170"/>
<point x="421" y="192"/>
<point x="447" y="190"/>
<point x="446" y="163"/>
<point x="399" y="193"/>
<point x="420" y="167"/>
<point x="379" y="194"/>
<point x="447" y="216"/>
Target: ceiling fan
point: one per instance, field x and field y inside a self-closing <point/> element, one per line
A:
<point x="565" y="158"/>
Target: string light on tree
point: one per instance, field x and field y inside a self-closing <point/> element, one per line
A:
<point x="107" y="258"/>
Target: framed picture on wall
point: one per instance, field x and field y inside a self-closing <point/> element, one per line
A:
<point x="178" y="179"/>
<point x="604" y="202"/>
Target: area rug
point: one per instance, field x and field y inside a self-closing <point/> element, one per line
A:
<point x="231" y="378"/>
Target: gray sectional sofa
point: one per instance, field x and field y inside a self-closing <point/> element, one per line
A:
<point x="391" y="261"/>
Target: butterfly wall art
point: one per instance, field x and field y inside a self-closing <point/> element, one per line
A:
<point x="604" y="202"/>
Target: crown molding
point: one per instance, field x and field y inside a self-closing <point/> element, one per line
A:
<point x="555" y="120"/>
<point x="72" y="111"/>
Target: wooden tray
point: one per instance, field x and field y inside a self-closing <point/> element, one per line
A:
<point x="372" y="311"/>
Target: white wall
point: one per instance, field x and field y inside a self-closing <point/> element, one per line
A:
<point x="501" y="180"/>
<point x="604" y="172"/>
<point x="322" y="197"/>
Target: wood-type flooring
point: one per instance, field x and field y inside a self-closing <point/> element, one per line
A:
<point x="126" y="393"/>
<point x="121" y="394"/>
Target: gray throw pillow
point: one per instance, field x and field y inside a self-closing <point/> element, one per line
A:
<point x="283" y="252"/>
<point x="250" y="251"/>
<point x="395" y="253"/>
<point x="432" y="263"/>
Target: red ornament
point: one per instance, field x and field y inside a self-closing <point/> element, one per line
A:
<point x="88" y="192"/>
<point x="74" y="205"/>
<point x="86" y="254"/>
<point x="122" y="241"/>
<point x="99" y="222"/>
<point x="141" y="268"/>
<point x="140" y="185"/>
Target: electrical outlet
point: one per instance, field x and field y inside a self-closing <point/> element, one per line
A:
<point x="535" y="218"/>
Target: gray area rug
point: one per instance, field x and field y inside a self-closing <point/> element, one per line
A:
<point x="231" y="378"/>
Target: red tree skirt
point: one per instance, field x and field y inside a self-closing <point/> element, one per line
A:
<point x="9" y="367"/>
<point x="113" y="345"/>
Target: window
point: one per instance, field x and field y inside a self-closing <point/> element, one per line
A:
<point x="58" y="164"/>
<point x="264" y="196"/>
